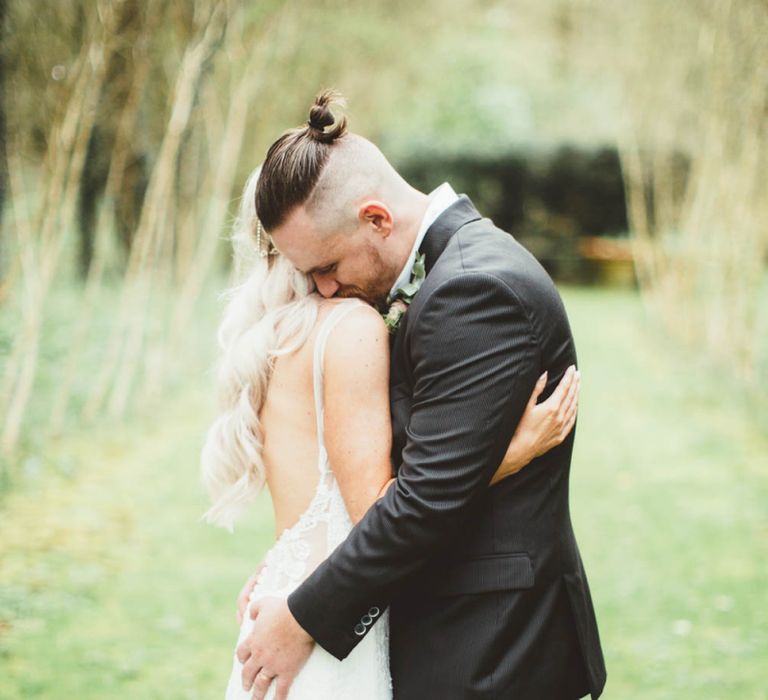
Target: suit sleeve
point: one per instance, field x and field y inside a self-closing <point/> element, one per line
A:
<point x="475" y="362"/>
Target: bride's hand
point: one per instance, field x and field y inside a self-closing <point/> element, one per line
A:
<point x="543" y="426"/>
<point x="245" y="592"/>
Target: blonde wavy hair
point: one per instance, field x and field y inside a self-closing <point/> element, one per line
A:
<point x="270" y="311"/>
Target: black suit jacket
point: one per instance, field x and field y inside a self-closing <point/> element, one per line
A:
<point x="487" y="594"/>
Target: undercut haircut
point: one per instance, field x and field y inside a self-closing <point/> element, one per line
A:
<point x="296" y="160"/>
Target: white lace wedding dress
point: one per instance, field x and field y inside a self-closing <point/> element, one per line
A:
<point x="364" y="674"/>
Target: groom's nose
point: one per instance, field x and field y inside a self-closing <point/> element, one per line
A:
<point x="326" y="285"/>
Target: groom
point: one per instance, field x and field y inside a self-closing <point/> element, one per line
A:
<point x="487" y="594"/>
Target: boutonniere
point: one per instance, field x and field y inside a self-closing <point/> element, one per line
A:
<point x="404" y="295"/>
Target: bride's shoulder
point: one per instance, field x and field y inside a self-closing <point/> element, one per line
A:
<point x="358" y="336"/>
<point x="353" y="314"/>
<point x="356" y="359"/>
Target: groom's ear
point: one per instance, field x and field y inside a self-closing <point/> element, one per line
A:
<point x="377" y="216"/>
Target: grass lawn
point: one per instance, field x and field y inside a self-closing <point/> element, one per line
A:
<point x="110" y="587"/>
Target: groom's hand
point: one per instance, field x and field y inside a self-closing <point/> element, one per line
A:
<point x="244" y="596"/>
<point x="275" y="650"/>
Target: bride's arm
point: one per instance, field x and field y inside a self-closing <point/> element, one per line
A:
<point x="358" y="428"/>
<point x="355" y="406"/>
<point x="543" y="426"/>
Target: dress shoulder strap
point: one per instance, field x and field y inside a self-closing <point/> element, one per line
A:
<point x="341" y="310"/>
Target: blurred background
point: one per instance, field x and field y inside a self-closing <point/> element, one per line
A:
<point x="624" y="143"/>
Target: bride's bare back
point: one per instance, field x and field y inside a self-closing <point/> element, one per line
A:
<point x="288" y="417"/>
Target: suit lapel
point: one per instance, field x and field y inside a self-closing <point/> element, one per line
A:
<point x="461" y="212"/>
<point x="435" y="241"/>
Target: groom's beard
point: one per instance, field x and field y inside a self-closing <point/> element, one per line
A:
<point x="376" y="289"/>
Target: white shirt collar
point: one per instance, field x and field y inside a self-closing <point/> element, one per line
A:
<point x="439" y="200"/>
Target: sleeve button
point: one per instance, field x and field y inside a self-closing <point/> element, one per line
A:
<point x="374" y="611"/>
<point x="360" y="629"/>
<point x="366" y="620"/>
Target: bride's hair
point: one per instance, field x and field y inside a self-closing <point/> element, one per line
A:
<point x="269" y="312"/>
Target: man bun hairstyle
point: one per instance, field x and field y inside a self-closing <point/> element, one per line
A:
<point x="295" y="161"/>
<point x="321" y="116"/>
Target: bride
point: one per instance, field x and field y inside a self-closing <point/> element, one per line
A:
<point x="303" y="388"/>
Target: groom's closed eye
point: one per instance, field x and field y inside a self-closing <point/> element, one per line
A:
<point x="324" y="270"/>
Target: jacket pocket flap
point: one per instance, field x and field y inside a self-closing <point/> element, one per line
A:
<point x="495" y="572"/>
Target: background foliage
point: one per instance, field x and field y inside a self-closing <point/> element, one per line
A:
<point x="623" y="143"/>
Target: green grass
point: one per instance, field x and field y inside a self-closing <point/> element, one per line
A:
<point x="111" y="587"/>
<point x="669" y="496"/>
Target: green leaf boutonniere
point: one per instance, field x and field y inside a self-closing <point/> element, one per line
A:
<point x="404" y="295"/>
